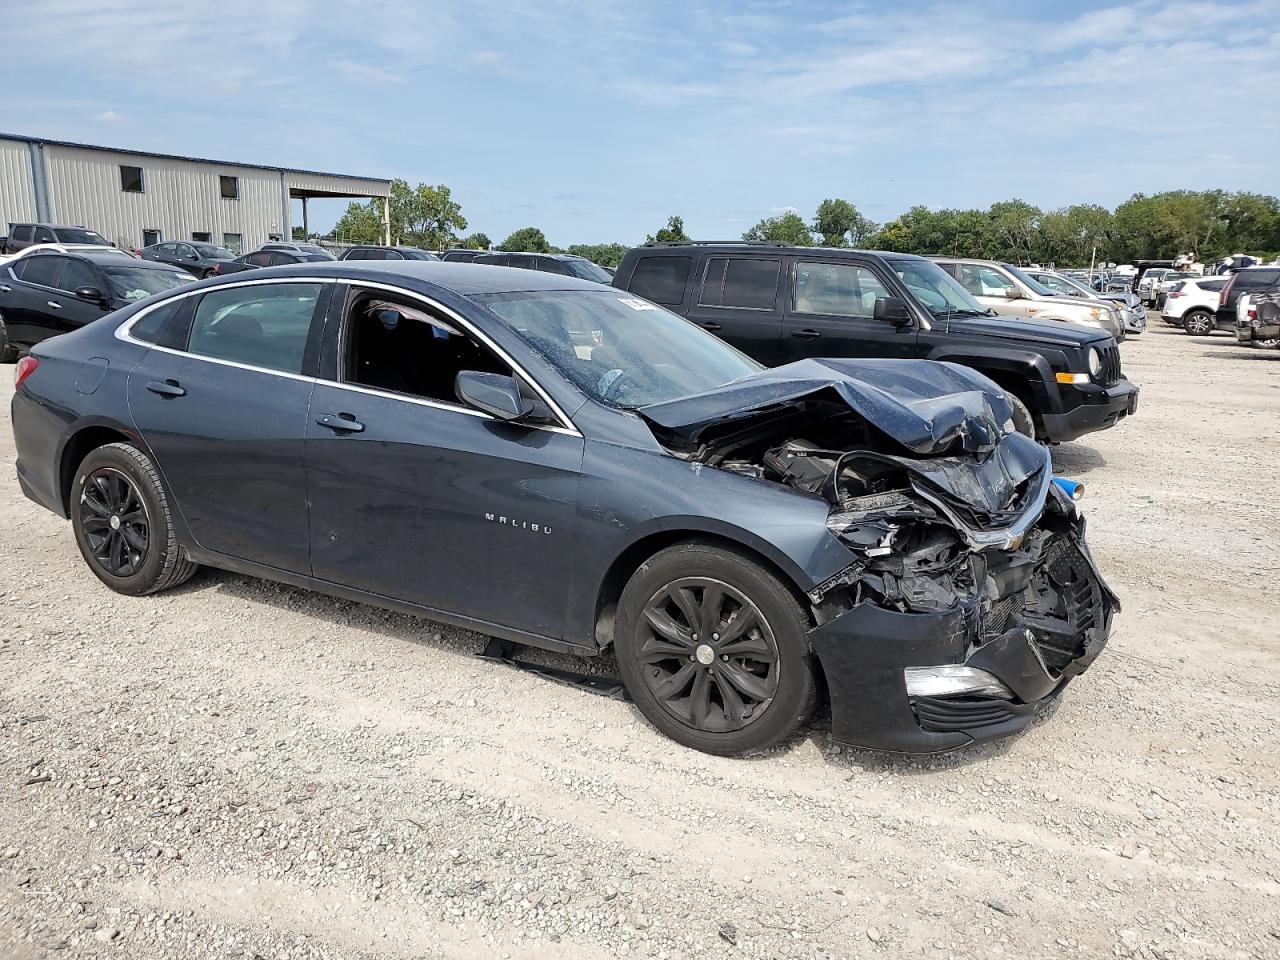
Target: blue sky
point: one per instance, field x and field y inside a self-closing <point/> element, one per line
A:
<point x="595" y="120"/>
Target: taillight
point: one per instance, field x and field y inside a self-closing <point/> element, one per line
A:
<point x="26" y="367"/>
<point x="1176" y="294"/>
<point x="217" y="268"/>
<point x="1222" y="297"/>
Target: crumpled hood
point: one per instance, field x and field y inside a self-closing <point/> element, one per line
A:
<point x="927" y="406"/>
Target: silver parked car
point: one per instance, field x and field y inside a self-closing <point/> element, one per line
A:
<point x="1011" y="293"/>
<point x="1133" y="314"/>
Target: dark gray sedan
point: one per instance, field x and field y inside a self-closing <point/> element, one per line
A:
<point x="559" y="464"/>
<point x="198" y="259"/>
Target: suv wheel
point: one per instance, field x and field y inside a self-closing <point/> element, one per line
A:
<point x="1023" y="422"/>
<point x="8" y="352"/>
<point x="1198" y="323"/>
<point x="122" y="524"/>
<point x="712" y="649"/>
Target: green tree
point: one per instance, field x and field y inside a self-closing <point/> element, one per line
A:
<point x="424" y="216"/>
<point x="526" y="240"/>
<point x="788" y="228"/>
<point x="1015" y="226"/>
<point x="477" y="241"/>
<point x="604" y="254"/>
<point x="840" y="224"/>
<point x="362" y="223"/>
<point x="673" y="232"/>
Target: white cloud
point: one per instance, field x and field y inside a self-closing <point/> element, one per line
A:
<point x="108" y="116"/>
<point x="363" y="73"/>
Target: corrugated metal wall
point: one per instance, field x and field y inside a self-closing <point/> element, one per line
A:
<point x="17" y="192"/>
<point x="179" y="198"/>
<point x="338" y="186"/>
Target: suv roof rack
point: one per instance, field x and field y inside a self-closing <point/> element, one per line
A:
<point x="714" y="243"/>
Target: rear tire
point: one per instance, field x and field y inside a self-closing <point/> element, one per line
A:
<point x="746" y="687"/>
<point x="121" y="518"/>
<point x="1198" y="323"/>
<point x="8" y="352"/>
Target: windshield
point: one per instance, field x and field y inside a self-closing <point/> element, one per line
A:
<point x="211" y="252"/>
<point x="76" y="235"/>
<point x="1036" y="286"/>
<point x="619" y="350"/>
<point x="138" y="283"/>
<point x="1075" y="284"/>
<point x="935" y="288"/>
<point x="418" y="255"/>
<point x="586" y="270"/>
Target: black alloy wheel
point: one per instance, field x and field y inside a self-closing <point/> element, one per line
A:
<point x="714" y="649"/>
<point x="1198" y="323"/>
<point x="114" y="519"/>
<point x="708" y="655"/>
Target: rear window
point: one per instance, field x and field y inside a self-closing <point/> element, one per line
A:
<point x="661" y="279"/>
<point x="1256" y="279"/>
<point x="742" y="283"/>
<point x="1211" y="285"/>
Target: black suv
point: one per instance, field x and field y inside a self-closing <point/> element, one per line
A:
<point x="779" y="304"/>
<point x="1252" y="280"/>
<point x="374" y="252"/>
<point x="561" y="263"/>
<point x="23" y="235"/>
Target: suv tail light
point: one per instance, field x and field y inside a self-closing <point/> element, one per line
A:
<point x="26" y="367"/>
<point x="1226" y="291"/>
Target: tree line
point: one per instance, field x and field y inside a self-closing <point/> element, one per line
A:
<point x="1207" y="223"/>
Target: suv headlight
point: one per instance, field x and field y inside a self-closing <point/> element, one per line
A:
<point x="1095" y="362"/>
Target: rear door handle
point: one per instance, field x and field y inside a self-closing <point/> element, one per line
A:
<point x="54" y="304"/>
<point x="342" y="423"/>
<point x="806" y="334"/>
<point x="709" y="325"/>
<point x="167" y="388"/>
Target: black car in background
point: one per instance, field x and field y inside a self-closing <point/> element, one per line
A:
<point x="374" y="252"/>
<point x="23" y="235"/>
<point x="564" y="264"/>
<point x="195" y="257"/>
<point x="1250" y="280"/>
<point x="266" y="258"/>
<point x="556" y="464"/>
<point x="461" y="254"/>
<point x="299" y="247"/>
<point x="45" y="294"/>
<point x="780" y="304"/>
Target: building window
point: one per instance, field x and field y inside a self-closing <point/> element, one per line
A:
<point x="230" y="187"/>
<point x="130" y="179"/>
<point x="232" y="242"/>
<point x="151" y="236"/>
<point x="201" y="236"/>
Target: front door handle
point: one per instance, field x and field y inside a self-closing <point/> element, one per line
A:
<point x="709" y="325"/>
<point x="54" y="304"/>
<point x="806" y="334"/>
<point x="5" y="288"/>
<point x="167" y="388"/>
<point x="342" y="423"/>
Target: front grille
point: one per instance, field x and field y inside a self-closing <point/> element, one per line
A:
<point x="952" y="714"/>
<point x="1002" y="613"/>
<point x="1110" y="364"/>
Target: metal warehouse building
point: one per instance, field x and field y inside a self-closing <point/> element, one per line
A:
<point x="134" y="198"/>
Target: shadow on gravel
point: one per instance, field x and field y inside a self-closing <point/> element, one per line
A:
<point x="1246" y="353"/>
<point x="1075" y="459"/>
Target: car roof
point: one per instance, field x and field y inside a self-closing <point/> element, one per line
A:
<point x="463" y="279"/>
<point x="113" y="259"/>
<point x="51" y="226"/>
<point x="752" y="248"/>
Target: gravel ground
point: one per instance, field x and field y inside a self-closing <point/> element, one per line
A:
<point x="237" y="769"/>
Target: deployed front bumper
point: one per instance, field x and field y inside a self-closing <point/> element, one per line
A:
<point x="866" y="651"/>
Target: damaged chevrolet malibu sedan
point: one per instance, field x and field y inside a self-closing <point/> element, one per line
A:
<point x="560" y="465"/>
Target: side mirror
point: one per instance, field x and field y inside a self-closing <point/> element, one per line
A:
<point x="495" y="394"/>
<point x="892" y="309"/>
<point x="1012" y="293"/>
<point x="89" y="293"/>
<point x="193" y="256"/>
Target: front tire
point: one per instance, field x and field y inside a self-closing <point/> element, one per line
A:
<point x="713" y="652"/>
<point x="121" y="518"/>
<point x="1198" y="323"/>
<point x="1023" y="421"/>
<point x="8" y="352"/>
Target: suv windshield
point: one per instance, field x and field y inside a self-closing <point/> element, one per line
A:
<point x="137" y="283"/>
<point x="619" y="350"/>
<point x="935" y="288"/>
<point x="76" y="235"/>
<point x="213" y="252"/>
<point x="1035" y="286"/>
<point x="586" y="270"/>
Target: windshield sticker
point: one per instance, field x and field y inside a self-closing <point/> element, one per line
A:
<point x="637" y="304"/>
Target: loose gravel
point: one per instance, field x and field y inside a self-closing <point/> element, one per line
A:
<point x="236" y="769"/>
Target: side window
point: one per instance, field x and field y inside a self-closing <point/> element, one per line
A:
<point x="405" y="349"/>
<point x="749" y="284"/>
<point x="548" y="265"/>
<point x="23" y="233"/>
<point x="523" y="261"/>
<point x="264" y="325"/>
<point x="355" y="255"/>
<point x="42" y="270"/>
<point x="661" y="279"/>
<point x="259" y="259"/>
<point x="982" y="281"/>
<point x="153" y="327"/>
<point x="45" y="235"/>
<point x="837" y="289"/>
<point x="76" y="274"/>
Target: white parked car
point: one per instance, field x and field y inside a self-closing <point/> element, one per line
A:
<point x="1193" y="303"/>
<point x="62" y="248"/>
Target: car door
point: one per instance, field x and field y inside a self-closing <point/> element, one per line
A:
<point x="830" y="312"/>
<point x="75" y="311"/>
<point x="185" y="256"/>
<point x="737" y="299"/>
<point x="35" y="300"/>
<point x="419" y="498"/>
<point x="223" y="409"/>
